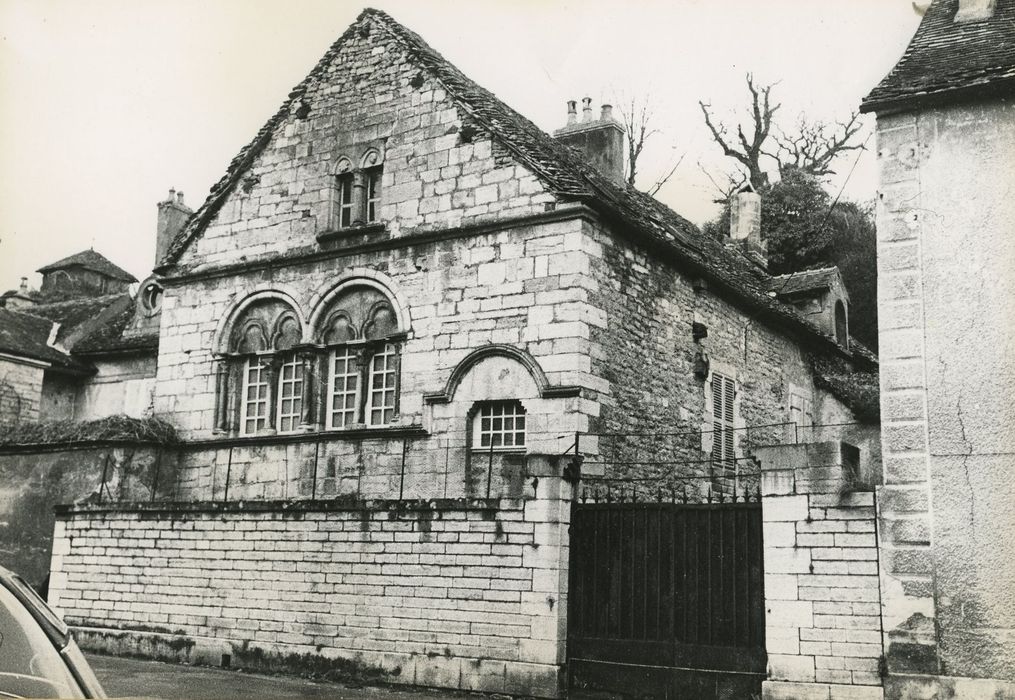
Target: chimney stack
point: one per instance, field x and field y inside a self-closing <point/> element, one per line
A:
<point x="745" y="225"/>
<point x="601" y="140"/>
<point x="973" y="10"/>
<point x="173" y="216"/>
<point x="24" y="285"/>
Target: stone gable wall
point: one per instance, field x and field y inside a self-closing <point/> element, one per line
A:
<point x="371" y="95"/>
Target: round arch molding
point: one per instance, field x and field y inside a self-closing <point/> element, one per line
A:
<point x="222" y="332"/>
<point x="496" y="350"/>
<point x="321" y="301"/>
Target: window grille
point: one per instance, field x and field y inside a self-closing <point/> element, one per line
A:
<point x="255" y="397"/>
<point x="501" y="424"/>
<point x="290" y="394"/>
<point x="383" y="375"/>
<point x="723" y="419"/>
<point x="344" y="388"/>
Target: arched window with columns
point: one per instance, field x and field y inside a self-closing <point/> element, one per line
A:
<point x="262" y="370"/>
<point x="360" y="338"/>
<point x="356" y="191"/>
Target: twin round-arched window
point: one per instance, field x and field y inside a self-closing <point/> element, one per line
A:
<point x="346" y="376"/>
<point x="356" y="193"/>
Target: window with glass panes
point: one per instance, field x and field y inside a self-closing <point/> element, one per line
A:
<point x="343" y="390"/>
<point x="500" y="424"/>
<point x="382" y="383"/>
<point x="373" y="178"/>
<point x="344" y="204"/>
<point x="255" y="397"/>
<point x="290" y="394"/>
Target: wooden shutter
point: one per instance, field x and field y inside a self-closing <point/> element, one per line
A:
<point x="723" y="418"/>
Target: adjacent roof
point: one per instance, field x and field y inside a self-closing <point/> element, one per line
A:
<point x="110" y="338"/>
<point x="948" y="59"/>
<point x="25" y="335"/>
<point x="804" y="281"/>
<point x="73" y="313"/>
<point x="90" y="260"/>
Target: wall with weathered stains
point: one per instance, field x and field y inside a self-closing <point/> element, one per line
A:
<point x="33" y="481"/>
<point x="946" y="257"/>
<point x="22" y="392"/>
<point x="120" y="385"/>
<point x="467" y="594"/>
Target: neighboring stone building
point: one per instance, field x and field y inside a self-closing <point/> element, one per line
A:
<point x="946" y="279"/>
<point x="395" y="312"/>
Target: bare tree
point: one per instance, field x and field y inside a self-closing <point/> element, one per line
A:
<point x="747" y="151"/>
<point x="811" y="147"/>
<point x="637" y="119"/>
<point x="814" y="145"/>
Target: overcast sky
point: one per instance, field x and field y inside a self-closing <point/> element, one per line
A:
<point x="105" y="104"/>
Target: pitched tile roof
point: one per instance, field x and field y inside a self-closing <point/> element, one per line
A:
<point x="565" y="171"/>
<point x="947" y="59"/>
<point x="804" y="281"/>
<point x="73" y="313"/>
<point x="26" y="335"/>
<point x="109" y="337"/>
<point x="90" y="260"/>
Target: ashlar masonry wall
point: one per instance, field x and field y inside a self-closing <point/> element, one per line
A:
<point x="945" y="300"/>
<point x="822" y="595"/>
<point x="467" y="594"/>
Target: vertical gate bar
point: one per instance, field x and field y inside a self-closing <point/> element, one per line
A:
<point x="644" y="573"/>
<point x="721" y="563"/>
<point x="672" y="517"/>
<point x="632" y="587"/>
<point x="659" y="571"/>
<point x="737" y="564"/>
<point x="608" y="579"/>
<point x="709" y="554"/>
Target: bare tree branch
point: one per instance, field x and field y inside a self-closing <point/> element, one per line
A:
<point x="751" y="148"/>
<point x="734" y="181"/>
<point x="662" y="180"/>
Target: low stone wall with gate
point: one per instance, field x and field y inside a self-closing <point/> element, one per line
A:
<point x="822" y="594"/>
<point x="459" y="593"/>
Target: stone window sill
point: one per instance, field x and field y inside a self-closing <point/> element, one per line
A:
<point x="351" y="232"/>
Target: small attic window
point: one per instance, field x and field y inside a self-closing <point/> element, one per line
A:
<point x="841" y="325"/>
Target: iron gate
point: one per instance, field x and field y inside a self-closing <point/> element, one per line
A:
<point x="666" y="599"/>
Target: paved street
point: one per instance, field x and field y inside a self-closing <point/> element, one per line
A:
<point x="153" y="679"/>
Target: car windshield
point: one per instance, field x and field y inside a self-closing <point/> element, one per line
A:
<point x="30" y="666"/>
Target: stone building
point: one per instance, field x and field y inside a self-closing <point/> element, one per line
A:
<point x="397" y="310"/>
<point x="946" y="144"/>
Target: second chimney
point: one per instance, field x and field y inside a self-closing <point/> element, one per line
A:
<point x="173" y="216"/>
<point x="601" y="140"/>
<point x="745" y="225"/>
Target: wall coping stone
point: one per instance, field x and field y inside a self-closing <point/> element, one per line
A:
<point x="392" y="506"/>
